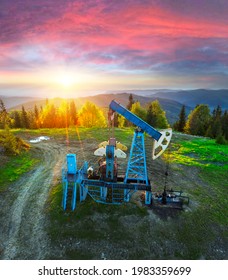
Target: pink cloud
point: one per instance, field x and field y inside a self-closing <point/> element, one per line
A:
<point x="133" y="35"/>
<point x="136" y="27"/>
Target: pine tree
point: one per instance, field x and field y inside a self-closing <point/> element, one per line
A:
<point x="224" y="123"/>
<point x="129" y="107"/>
<point x="16" y="117"/>
<point x="150" y="117"/>
<point x="130" y="102"/>
<point x="73" y="113"/>
<point x="180" y="124"/>
<point x="24" y="118"/>
<point x="116" y="120"/>
<point x="215" y="127"/>
<point x="3" y="115"/>
<point x="36" y="117"/>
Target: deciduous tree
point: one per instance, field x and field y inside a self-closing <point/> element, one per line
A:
<point x="91" y="116"/>
<point x="4" y="118"/>
<point x="198" y="120"/>
<point x="156" y="115"/>
<point x="73" y="113"/>
<point x="138" y="110"/>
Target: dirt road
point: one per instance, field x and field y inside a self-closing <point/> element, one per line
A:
<point x="22" y="207"/>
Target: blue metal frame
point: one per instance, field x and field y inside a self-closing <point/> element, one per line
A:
<point x="136" y="168"/>
<point x="69" y="186"/>
<point x="107" y="191"/>
<point x="115" y="106"/>
<point x="110" y="162"/>
<point x="71" y="179"/>
<point x="116" y="193"/>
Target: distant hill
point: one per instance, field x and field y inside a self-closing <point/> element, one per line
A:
<point x="171" y="101"/>
<point x="12" y="101"/>
<point x="212" y="98"/>
<point x="171" y="107"/>
<point x="38" y="102"/>
<point x="143" y="92"/>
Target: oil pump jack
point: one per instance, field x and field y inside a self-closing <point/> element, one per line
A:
<point x="105" y="186"/>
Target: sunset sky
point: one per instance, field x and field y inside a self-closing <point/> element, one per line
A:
<point x="68" y="47"/>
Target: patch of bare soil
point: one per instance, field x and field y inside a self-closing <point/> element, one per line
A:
<point x="22" y="208"/>
<point x="22" y="215"/>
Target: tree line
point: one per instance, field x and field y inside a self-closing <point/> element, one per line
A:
<point x="200" y="121"/>
<point x="51" y="116"/>
<point x="67" y="114"/>
<point x="153" y="114"/>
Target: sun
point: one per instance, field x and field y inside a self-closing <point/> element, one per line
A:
<point x="66" y="80"/>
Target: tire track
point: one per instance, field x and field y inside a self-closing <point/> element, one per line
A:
<point x="27" y="238"/>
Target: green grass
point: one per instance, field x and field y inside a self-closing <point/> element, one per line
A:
<point x="84" y="225"/>
<point x="200" y="152"/>
<point x="15" y="167"/>
<point x="214" y="199"/>
<point x="198" y="229"/>
<point x="209" y="221"/>
<point x="80" y="133"/>
<point x="87" y="208"/>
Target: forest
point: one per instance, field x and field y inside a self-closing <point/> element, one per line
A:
<point x="201" y="121"/>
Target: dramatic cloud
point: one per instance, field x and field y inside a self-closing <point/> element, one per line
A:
<point x="175" y="41"/>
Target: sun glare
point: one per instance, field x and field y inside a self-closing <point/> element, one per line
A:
<point x="66" y="80"/>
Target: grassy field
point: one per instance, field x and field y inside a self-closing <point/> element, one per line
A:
<point x="202" y="152"/>
<point x="75" y="134"/>
<point x="16" y="166"/>
<point x="212" y="162"/>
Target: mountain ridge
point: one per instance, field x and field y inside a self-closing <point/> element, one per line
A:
<point x="172" y="108"/>
<point x="212" y="98"/>
<point x="171" y="101"/>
